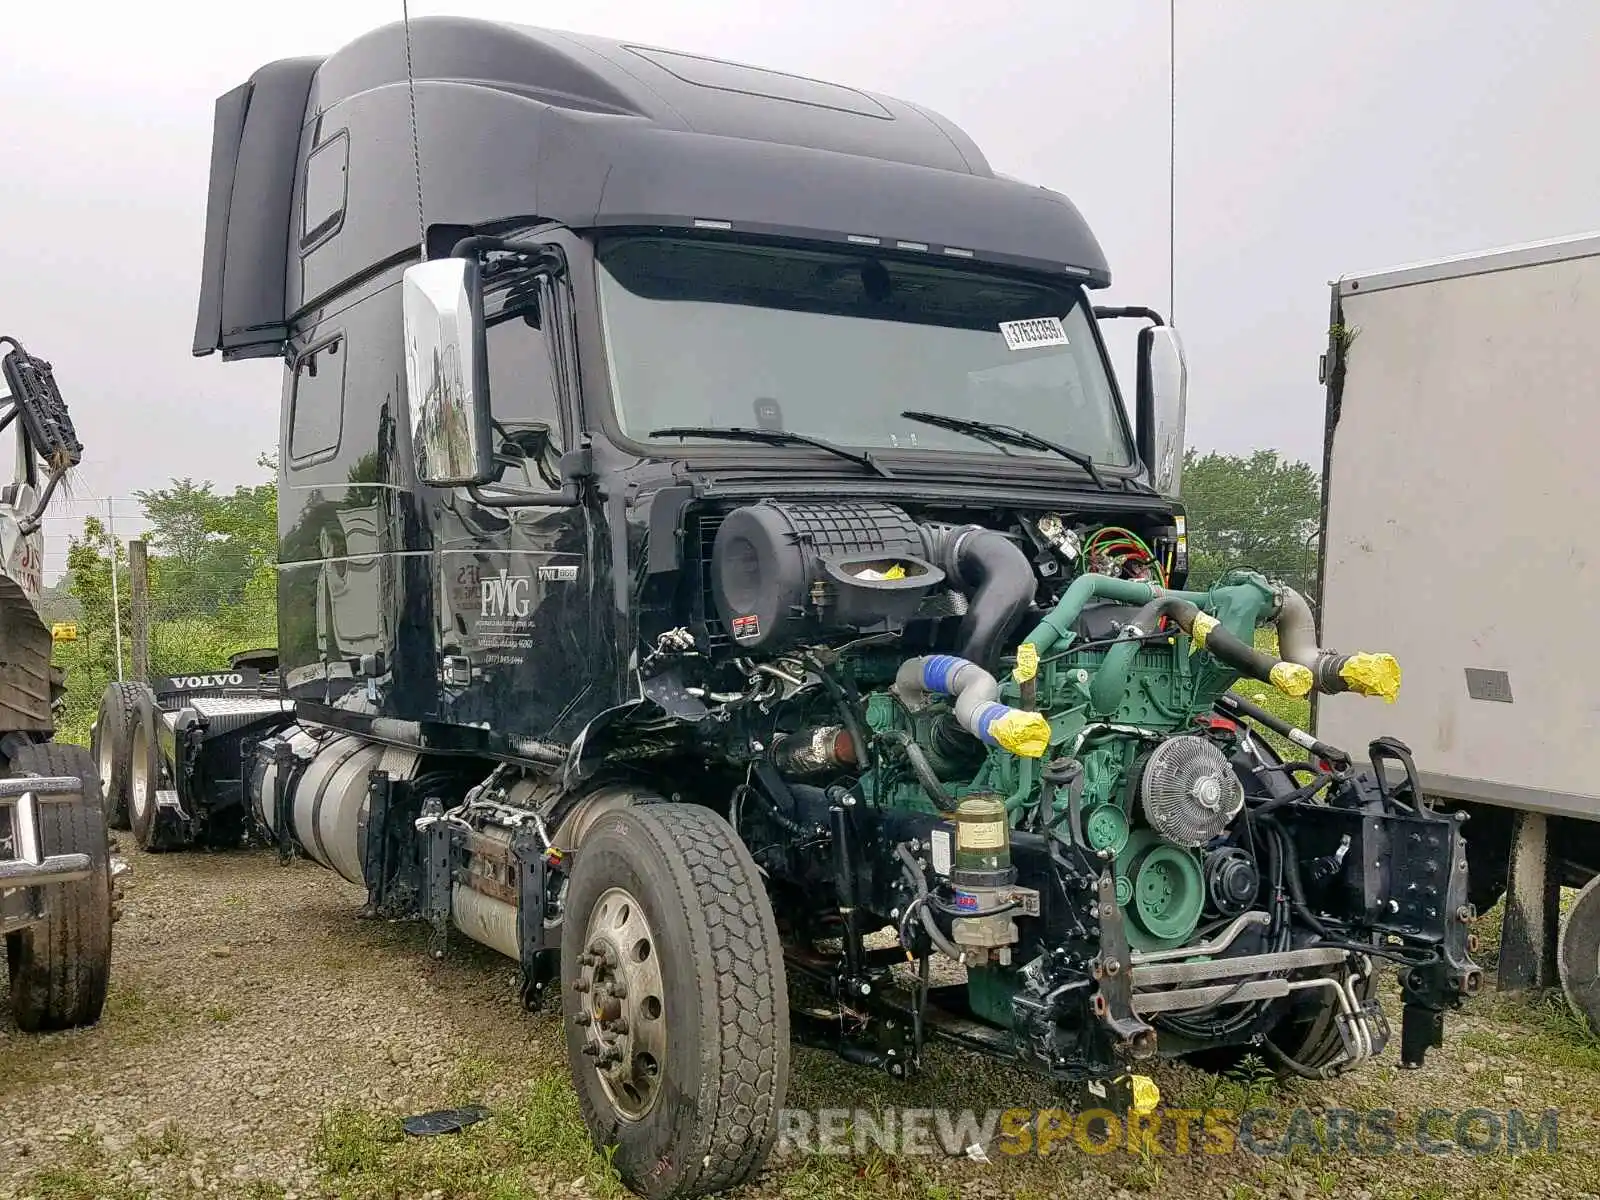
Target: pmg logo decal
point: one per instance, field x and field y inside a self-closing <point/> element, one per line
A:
<point x="504" y="595"/>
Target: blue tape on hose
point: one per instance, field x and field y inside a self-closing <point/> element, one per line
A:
<point x="939" y="670"/>
<point x="987" y="716"/>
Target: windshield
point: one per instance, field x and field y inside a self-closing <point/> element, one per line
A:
<point x="837" y="345"/>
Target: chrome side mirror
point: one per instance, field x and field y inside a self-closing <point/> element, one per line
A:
<point x="447" y="376"/>
<point x="1162" y="402"/>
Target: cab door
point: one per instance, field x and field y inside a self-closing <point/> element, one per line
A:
<point x="517" y="579"/>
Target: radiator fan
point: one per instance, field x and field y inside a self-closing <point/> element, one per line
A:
<point x="1189" y="791"/>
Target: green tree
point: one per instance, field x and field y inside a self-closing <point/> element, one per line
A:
<point x="212" y="580"/>
<point x="206" y="547"/>
<point x="1258" y="510"/>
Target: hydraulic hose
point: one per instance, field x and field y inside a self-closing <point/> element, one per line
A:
<point x="996" y="577"/>
<point x="918" y="881"/>
<point x="976" y="710"/>
<point x="1332" y="672"/>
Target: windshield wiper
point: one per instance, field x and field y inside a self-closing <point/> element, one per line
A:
<point x="1008" y="435"/>
<point x="773" y="437"/>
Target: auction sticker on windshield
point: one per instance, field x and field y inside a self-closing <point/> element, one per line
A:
<point x="1033" y="333"/>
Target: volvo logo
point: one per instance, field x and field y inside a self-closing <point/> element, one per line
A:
<point x="195" y="683"/>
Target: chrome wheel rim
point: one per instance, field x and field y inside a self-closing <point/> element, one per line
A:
<point x="624" y="1016"/>
<point x="139" y="781"/>
<point x="105" y="767"/>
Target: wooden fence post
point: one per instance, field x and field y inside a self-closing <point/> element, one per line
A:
<point x="139" y="585"/>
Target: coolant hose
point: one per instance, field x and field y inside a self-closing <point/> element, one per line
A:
<point x="1111" y="680"/>
<point x="995" y="576"/>
<point x="976" y="710"/>
<point x="923" y="770"/>
<point x="1363" y="673"/>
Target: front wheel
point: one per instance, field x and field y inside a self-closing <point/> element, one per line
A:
<point x="60" y="967"/>
<point x="676" y="1010"/>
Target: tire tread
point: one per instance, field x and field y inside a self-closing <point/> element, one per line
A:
<point x="60" y="968"/>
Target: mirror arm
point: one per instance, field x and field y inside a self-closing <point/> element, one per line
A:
<point x="548" y="259"/>
<point x="567" y="497"/>
<point x="1134" y="310"/>
<point x="575" y="466"/>
<point x="34" y="519"/>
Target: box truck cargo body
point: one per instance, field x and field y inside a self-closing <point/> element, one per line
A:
<point x="1461" y="491"/>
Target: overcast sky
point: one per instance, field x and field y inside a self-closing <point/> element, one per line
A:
<point x="1312" y="140"/>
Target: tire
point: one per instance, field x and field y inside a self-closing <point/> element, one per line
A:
<point x="1578" y="954"/>
<point x="60" y="967"/>
<point x="154" y="828"/>
<point x="111" y="746"/>
<point x="675" y="880"/>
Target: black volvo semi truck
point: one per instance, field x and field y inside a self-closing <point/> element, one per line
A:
<point x="719" y="571"/>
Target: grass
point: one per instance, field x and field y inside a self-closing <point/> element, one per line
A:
<point x="526" y="1147"/>
<point x="83" y="1175"/>
<point x="170" y="1142"/>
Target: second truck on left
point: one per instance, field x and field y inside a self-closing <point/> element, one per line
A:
<point x="56" y="865"/>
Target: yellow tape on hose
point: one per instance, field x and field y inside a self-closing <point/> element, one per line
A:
<point x="1204" y="623"/>
<point x="1027" y="662"/>
<point x="1372" y="675"/>
<point x="1292" y="679"/>
<point x="1026" y="734"/>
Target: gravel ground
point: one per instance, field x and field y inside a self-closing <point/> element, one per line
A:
<point x="260" y="1041"/>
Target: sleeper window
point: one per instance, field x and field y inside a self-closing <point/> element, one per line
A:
<point x="327" y="169"/>
<point x="318" y="411"/>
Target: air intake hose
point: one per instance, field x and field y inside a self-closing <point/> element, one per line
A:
<point x="1023" y="733"/>
<point x="996" y="577"/>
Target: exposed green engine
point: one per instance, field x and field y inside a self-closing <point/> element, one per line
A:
<point x="1113" y="710"/>
<point x="1075" y="816"/>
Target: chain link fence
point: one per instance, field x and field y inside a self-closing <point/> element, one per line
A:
<point x="119" y="609"/>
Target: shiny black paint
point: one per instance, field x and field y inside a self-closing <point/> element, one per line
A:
<point x="488" y="629"/>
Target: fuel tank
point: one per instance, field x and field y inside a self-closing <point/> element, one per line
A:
<point x="326" y="773"/>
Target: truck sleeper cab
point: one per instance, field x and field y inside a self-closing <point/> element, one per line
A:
<point x="676" y="457"/>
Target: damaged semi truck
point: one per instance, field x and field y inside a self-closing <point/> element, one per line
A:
<point x="718" y="572"/>
<point x="57" y="890"/>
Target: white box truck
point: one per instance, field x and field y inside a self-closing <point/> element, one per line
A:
<point x="1461" y="477"/>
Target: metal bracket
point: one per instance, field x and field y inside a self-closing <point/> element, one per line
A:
<point x="1113" y="1000"/>
<point x="375" y="858"/>
<point x="538" y="960"/>
<point x="438" y="840"/>
<point x="282" y="761"/>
